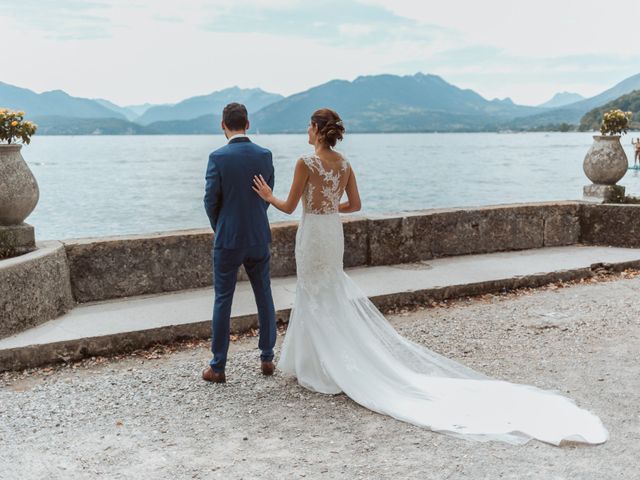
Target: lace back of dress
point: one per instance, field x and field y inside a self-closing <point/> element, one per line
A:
<point x="325" y="186"/>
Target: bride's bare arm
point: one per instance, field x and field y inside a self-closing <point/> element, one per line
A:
<point x="300" y="176"/>
<point x="353" y="196"/>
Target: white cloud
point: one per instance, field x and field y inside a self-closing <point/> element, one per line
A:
<point x="541" y="28"/>
<point x="170" y="62"/>
<point x="355" y="29"/>
<point x="133" y="51"/>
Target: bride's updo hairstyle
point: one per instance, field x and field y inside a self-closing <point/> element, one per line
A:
<point x="330" y="128"/>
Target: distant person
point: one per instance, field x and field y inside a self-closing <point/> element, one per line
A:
<point x="242" y="236"/>
<point x="636" y="143"/>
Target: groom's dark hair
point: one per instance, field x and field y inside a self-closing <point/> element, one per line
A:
<point x="235" y="116"/>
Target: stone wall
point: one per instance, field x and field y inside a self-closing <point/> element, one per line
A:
<point x="428" y="234"/>
<point x="35" y="287"/>
<point x="104" y="268"/>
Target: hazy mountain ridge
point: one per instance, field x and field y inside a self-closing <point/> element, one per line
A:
<point x="55" y="102"/>
<point x="254" y="99"/>
<point x="58" y="113"/>
<point x="124" y="111"/>
<point x="562" y="99"/>
<point x="143" y="107"/>
<point x="573" y="113"/>
<point x="375" y="103"/>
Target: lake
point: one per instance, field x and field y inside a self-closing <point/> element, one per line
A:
<point x="111" y="185"/>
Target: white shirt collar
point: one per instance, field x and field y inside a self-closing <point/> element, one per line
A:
<point x="238" y="135"/>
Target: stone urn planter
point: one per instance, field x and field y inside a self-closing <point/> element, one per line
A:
<point x="19" y="191"/>
<point x="606" y="161"/>
<point x="19" y="195"/>
<point x="605" y="164"/>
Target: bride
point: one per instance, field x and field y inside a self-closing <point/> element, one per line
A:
<point x="337" y="341"/>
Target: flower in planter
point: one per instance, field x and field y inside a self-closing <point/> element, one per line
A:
<point x="13" y="127"/>
<point x="615" y="122"/>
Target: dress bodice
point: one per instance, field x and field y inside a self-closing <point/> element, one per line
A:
<point x="325" y="186"/>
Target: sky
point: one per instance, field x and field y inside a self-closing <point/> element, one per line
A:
<point x="162" y="51"/>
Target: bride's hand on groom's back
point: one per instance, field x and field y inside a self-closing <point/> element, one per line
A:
<point x="261" y="187"/>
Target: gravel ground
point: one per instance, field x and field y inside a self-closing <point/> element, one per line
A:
<point x="150" y="415"/>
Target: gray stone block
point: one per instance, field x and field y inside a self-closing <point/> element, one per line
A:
<point x="116" y="267"/>
<point x="491" y="229"/>
<point x="603" y="193"/>
<point x="611" y="225"/>
<point x="16" y="240"/>
<point x="562" y="225"/>
<point x="356" y="241"/>
<point x="283" y="244"/>
<point x="401" y="239"/>
<point x="35" y="288"/>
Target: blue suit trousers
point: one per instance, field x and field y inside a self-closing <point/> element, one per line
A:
<point x="226" y="263"/>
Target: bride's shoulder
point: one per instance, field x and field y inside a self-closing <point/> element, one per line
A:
<point x="309" y="159"/>
<point x="343" y="158"/>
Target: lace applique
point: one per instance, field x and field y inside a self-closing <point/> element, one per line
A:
<point x="324" y="188"/>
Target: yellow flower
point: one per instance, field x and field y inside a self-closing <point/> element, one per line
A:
<point x="14" y="123"/>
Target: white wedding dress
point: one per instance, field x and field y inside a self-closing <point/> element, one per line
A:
<point x="337" y="341"/>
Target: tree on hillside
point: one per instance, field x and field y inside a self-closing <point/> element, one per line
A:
<point x="627" y="103"/>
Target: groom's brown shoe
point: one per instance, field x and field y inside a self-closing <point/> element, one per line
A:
<point x="210" y="375"/>
<point x="267" y="368"/>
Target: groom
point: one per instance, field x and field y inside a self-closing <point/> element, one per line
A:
<point x="242" y="236"/>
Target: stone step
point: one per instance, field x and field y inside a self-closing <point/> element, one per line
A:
<point x="116" y="326"/>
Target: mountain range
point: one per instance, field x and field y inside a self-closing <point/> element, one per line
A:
<point x="573" y="112"/>
<point x="388" y="103"/>
<point x="376" y="103"/>
<point x="55" y="102"/>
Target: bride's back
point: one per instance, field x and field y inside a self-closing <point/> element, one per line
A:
<point x="327" y="181"/>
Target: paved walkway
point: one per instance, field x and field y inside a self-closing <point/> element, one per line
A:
<point x="105" y="327"/>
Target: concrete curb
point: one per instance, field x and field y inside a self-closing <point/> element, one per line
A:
<point x="39" y="355"/>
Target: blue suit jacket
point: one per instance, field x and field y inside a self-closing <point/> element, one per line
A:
<point x="237" y="214"/>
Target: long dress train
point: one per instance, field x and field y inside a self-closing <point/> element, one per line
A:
<point x="337" y="341"/>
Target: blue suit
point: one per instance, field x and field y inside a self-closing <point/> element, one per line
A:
<point x="239" y="220"/>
